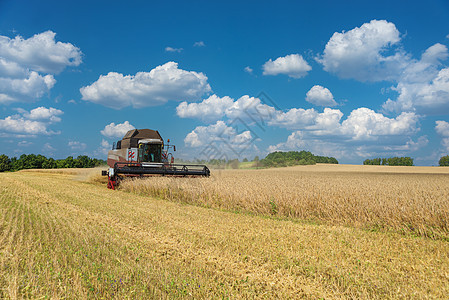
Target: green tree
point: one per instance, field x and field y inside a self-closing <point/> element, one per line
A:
<point x="444" y="161"/>
<point x="5" y="163"/>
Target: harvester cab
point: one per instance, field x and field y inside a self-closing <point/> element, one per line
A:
<point x="142" y="152"/>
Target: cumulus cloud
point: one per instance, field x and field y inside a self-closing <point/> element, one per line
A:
<point x="292" y="65"/>
<point x="424" y="85"/>
<point x="294" y="118"/>
<point x="171" y="49"/>
<point x="365" y="53"/>
<point x="44" y="114"/>
<point x="203" y="135"/>
<point x="364" y="124"/>
<point x="250" y="109"/>
<point x="117" y="131"/>
<point x="199" y="44"/>
<point x="13" y="124"/>
<point x="442" y="128"/>
<point x="248" y="70"/>
<point x="34" y="122"/>
<point x="294" y="142"/>
<point x="210" y="109"/>
<point x="161" y="84"/>
<point x="40" y="53"/>
<point x="11" y="69"/>
<point x="426" y="97"/>
<point x="218" y="140"/>
<point x="372" y="52"/>
<point x="23" y="60"/>
<point x="214" y="108"/>
<point x="25" y="89"/>
<point x="320" y="96"/>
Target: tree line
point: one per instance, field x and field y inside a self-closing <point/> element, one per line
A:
<point x="33" y="161"/>
<point x="292" y="158"/>
<point x="392" y="161"/>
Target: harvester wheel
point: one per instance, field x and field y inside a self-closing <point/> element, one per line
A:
<point x="112" y="183"/>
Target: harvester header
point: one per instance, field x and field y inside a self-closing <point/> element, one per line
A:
<point x="142" y="152"/>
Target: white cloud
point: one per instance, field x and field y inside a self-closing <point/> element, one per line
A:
<point x="294" y="142"/>
<point x="161" y="84"/>
<point x="19" y="125"/>
<point x="248" y="70"/>
<point x="423" y="86"/>
<point x="292" y="65"/>
<point x="210" y="109"/>
<point x="203" y="135"/>
<point x="35" y="122"/>
<point x="42" y="113"/>
<point x="365" y="124"/>
<point x="118" y="130"/>
<point x="250" y="109"/>
<point x="362" y="123"/>
<point x="40" y="53"/>
<point x="171" y="49"/>
<point x="442" y="128"/>
<point x="219" y="136"/>
<point x="25" y="89"/>
<point x="11" y="69"/>
<point x="362" y="53"/>
<point x="320" y="96"/>
<point x="103" y="149"/>
<point x="428" y="97"/>
<point x="294" y="118"/>
<point x="21" y="60"/>
<point x="199" y="44"/>
<point x="214" y="108"/>
<point x="75" y="145"/>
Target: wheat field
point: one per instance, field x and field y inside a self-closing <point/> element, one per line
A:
<point x="406" y="199"/>
<point x="64" y="235"/>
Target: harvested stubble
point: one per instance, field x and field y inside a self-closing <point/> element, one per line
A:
<point x="406" y="199"/>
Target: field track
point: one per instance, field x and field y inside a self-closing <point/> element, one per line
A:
<point x="62" y="237"/>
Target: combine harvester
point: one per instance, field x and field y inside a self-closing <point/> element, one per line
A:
<point x="142" y="152"/>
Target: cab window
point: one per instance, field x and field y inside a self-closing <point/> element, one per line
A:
<point x="151" y="152"/>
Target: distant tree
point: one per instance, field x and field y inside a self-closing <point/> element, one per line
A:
<point x="291" y="158"/>
<point x="33" y="161"/>
<point x="5" y="163"/>
<point x="444" y="161"/>
<point x="392" y="161"/>
<point x="256" y="158"/>
<point x="245" y="160"/>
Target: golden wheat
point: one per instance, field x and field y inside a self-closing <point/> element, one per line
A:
<point x="411" y="199"/>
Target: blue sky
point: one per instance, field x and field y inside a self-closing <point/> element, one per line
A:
<point x="339" y="78"/>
